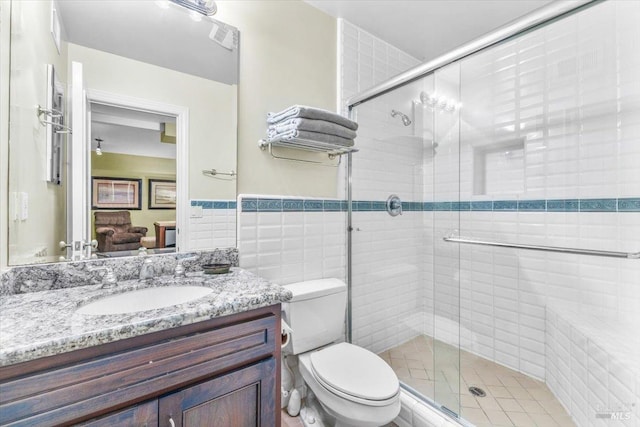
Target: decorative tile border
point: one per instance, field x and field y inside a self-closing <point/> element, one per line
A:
<point x="215" y="204"/>
<point x="271" y="204"/>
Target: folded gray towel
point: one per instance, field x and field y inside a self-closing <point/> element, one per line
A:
<point x="311" y="136"/>
<point x="320" y="126"/>
<point x="311" y="113"/>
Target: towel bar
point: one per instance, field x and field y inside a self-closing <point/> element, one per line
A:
<point x="578" y="251"/>
<point x="331" y="150"/>
<point x="215" y="173"/>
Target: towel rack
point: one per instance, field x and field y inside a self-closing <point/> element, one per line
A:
<point x="52" y="114"/>
<point x="578" y="251"/>
<point x="332" y="150"/>
<point x="215" y="173"/>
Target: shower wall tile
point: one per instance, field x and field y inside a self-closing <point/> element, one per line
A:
<point x="367" y="60"/>
<point x="592" y="368"/>
<point x="388" y="280"/>
<point x="389" y="257"/>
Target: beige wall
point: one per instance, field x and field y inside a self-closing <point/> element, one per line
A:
<point x="287" y="56"/>
<point x="32" y="48"/>
<point x="136" y="167"/>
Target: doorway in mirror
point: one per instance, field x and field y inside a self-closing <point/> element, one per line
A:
<point x="133" y="180"/>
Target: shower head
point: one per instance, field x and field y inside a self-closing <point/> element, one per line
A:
<point x="405" y="119"/>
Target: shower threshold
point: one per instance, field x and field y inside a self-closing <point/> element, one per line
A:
<point x="512" y="398"/>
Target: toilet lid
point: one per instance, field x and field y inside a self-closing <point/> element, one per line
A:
<point x="355" y="371"/>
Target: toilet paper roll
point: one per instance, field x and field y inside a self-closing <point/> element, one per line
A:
<point x="285" y="332"/>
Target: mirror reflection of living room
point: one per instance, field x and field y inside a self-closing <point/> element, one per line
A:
<point x="133" y="181"/>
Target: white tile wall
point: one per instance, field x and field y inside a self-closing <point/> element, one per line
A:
<point x="387" y="279"/>
<point x="289" y="247"/>
<point x="592" y="368"/>
<point x="216" y="228"/>
<point x="367" y="60"/>
<point x="388" y="274"/>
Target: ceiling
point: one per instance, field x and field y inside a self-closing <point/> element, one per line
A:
<point x="426" y="29"/>
<point x="131" y="132"/>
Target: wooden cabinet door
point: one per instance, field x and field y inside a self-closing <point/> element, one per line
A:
<point x="143" y="415"/>
<point x="243" y="398"/>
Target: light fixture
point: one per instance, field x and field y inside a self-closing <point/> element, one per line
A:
<point x="438" y="102"/>
<point x="99" y="147"/>
<point x="203" y="7"/>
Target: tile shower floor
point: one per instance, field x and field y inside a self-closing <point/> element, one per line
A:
<point x="512" y="398"/>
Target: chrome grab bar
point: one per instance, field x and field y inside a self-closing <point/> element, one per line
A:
<point x="611" y="254"/>
<point x="215" y="172"/>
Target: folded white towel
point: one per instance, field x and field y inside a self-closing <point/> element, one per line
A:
<point x="320" y="126"/>
<point x="311" y="113"/>
<point x="310" y="136"/>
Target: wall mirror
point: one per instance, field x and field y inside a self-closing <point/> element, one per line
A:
<point x="144" y="108"/>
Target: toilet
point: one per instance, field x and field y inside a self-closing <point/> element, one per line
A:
<point x="352" y="384"/>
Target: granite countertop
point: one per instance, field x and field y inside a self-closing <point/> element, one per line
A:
<point x="45" y="323"/>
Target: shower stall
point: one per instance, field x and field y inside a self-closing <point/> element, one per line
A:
<point x="494" y="223"/>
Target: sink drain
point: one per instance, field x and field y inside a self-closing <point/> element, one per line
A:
<point x="477" y="391"/>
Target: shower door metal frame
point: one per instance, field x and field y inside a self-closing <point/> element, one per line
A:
<point x="540" y="17"/>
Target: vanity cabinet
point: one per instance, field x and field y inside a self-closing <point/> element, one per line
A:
<point x="144" y="415"/>
<point x="224" y="370"/>
<point x="235" y="399"/>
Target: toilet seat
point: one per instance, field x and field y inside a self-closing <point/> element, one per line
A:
<point x="355" y="374"/>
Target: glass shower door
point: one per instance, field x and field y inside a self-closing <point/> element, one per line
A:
<point x="445" y="183"/>
<point x="405" y="298"/>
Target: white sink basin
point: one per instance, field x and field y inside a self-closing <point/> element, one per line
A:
<point x="144" y="299"/>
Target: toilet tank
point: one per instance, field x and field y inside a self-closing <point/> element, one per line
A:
<point x="316" y="313"/>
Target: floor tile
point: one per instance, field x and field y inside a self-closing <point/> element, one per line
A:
<point x="420" y="374"/>
<point x="518" y="392"/>
<point x="469" y="401"/>
<point x="543" y="420"/>
<point x="398" y="363"/>
<point x="509" y="381"/>
<point x="512" y="397"/>
<point x="289" y="421"/>
<point x="489" y="403"/>
<point x="498" y="391"/>
<point x="498" y="418"/>
<point x="531" y="406"/>
<point x="521" y="419"/>
<point x="476" y="416"/>
<point x="415" y="363"/>
<point x="510" y="405"/>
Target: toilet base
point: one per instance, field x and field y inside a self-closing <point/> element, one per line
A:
<point x="313" y="414"/>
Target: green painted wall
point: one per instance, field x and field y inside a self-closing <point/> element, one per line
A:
<point x="138" y="167"/>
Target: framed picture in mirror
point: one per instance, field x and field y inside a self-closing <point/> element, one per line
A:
<point x="116" y="193"/>
<point x="162" y="194"/>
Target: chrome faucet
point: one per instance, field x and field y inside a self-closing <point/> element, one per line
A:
<point x="147" y="269"/>
<point x="109" y="278"/>
<point x="180" y="271"/>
